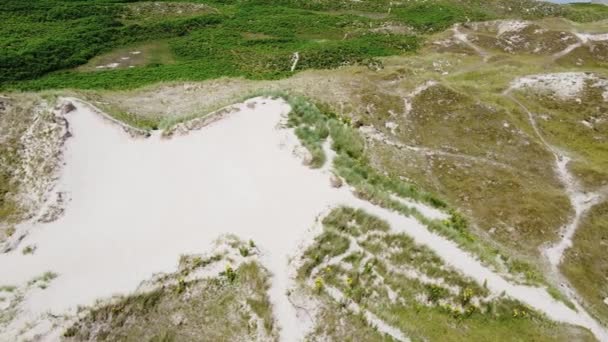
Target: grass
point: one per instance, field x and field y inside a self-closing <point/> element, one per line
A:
<point x="45" y="35"/>
<point x="422" y="311"/>
<point x="146" y="54"/>
<point x="336" y="323"/>
<point x="315" y="123"/>
<point x="26" y="124"/>
<point x="586" y="12"/>
<point x="207" y="309"/>
<point x="14" y="122"/>
<point x="564" y="129"/>
<point x="145" y="123"/>
<point x="438" y="15"/>
<point x="511" y="210"/>
<point x="43" y="280"/>
<point x="209" y="40"/>
<point x="28" y="250"/>
<point x="220" y="49"/>
<point x="352" y="164"/>
<point x="585" y="263"/>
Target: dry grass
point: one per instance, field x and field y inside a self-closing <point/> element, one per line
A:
<point x="586" y="263"/>
<point x="232" y="306"/>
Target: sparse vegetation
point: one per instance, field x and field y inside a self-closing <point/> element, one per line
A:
<point x="430" y="301"/>
<point x="28" y="250"/>
<point x="585" y="12"/>
<point x="352" y="164"/>
<point x="43" y="280"/>
<point x="7" y="288"/>
<point x="586" y="263"/>
<point x="189" y="309"/>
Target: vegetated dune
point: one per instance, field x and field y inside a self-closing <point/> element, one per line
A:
<point x="135" y="204"/>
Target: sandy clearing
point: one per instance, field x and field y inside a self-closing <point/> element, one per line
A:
<point x="138" y="204"/>
<point x="505" y="26"/>
<point x="564" y="85"/>
<point x="586" y="37"/>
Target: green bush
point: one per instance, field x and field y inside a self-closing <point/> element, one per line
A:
<point x="584" y="12"/>
<point x="434" y="16"/>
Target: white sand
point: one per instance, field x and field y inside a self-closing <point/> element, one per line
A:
<point x="581" y="202"/>
<point x="586" y="37"/>
<point x="505" y="26"/>
<point x="564" y="85"/>
<point x="138" y="204"/>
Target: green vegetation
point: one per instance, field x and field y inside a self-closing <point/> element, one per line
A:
<point x="46" y="35"/>
<point x="585" y="12"/>
<point x="43" y="280"/>
<point x="28" y="249"/>
<point x="409" y="287"/>
<point x="15" y="118"/>
<point x="477" y="151"/>
<point x="251" y="38"/>
<point x="7" y="288"/>
<point x="313" y="126"/>
<point x="565" y="127"/>
<point x="334" y="322"/>
<point x="436" y="16"/>
<point x="152" y="53"/>
<point x="145" y="123"/>
<point x="586" y="263"/>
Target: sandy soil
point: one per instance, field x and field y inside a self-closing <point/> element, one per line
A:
<point x="138" y="204"/>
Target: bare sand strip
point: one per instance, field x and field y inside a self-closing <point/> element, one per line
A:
<point x="138" y="204"/>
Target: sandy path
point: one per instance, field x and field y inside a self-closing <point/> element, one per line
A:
<point x="580" y="200"/>
<point x="138" y="204"/>
<point x="459" y="35"/>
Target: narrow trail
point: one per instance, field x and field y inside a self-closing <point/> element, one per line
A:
<point x="465" y="39"/>
<point x="407" y="100"/>
<point x="583" y="40"/>
<point x="581" y="202"/>
<point x="294" y="61"/>
<point x="373" y="134"/>
<point x="566" y="51"/>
